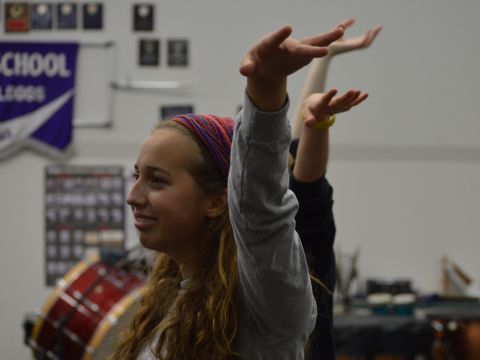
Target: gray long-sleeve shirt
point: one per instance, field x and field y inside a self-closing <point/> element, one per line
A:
<point x="277" y="309"/>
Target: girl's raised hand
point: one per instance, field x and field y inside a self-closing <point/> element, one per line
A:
<point x="277" y="55"/>
<point x="319" y="106"/>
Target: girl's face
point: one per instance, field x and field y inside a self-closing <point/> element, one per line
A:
<point x="169" y="208"/>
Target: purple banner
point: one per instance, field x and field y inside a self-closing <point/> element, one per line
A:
<point x="37" y="82"/>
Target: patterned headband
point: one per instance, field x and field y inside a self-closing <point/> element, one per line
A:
<point x="215" y="133"/>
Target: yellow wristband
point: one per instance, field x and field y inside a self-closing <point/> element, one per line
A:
<point x="322" y="124"/>
<point x="325" y="123"/>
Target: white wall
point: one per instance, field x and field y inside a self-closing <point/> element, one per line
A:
<point x="405" y="166"/>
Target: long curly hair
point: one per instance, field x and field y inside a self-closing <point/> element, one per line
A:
<point x="201" y="323"/>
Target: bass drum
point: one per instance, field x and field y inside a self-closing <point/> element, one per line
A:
<point x="86" y="311"/>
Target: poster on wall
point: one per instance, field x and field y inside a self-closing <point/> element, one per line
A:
<point x="66" y="15"/>
<point x="16" y="17"/>
<point x="149" y="52"/>
<point x="84" y="213"/>
<point x="178" y="52"/>
<point x="93" y="16"/>
<point x="41" y="16"/>
<point x="143" y="18"/>
<point x="37" y="82"/>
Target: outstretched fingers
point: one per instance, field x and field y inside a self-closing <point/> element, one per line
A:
<point x="323" y="103"/>
<point x="360" y="99"/>
<point x="371" y="35"/>
<point x="365" y="40"/>
<point x="346" y="23"/>
<point x="347" y="100"/>
<point x="275" y="38"/>
<point x="307" y="51"/>
<point x="325" y="39"/>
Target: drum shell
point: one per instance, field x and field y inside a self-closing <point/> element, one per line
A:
<point x="90" y="304"/>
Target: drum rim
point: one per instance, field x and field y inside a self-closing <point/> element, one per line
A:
<point x="72" y="275"/>
<point x="116" y="312"/>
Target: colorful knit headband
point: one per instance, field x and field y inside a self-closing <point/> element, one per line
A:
<point x="215" y="133"/>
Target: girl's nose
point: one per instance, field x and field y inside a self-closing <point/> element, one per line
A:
<point x="136" y="196"/>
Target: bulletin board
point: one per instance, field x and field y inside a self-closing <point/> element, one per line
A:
<point x="84" y="214"/>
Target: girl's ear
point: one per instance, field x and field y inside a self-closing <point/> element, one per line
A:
<point x="217" y="204"/>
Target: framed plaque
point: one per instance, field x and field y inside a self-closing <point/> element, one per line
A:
<point x="177" y="52"/>
<point x="143" y="17"/>
<point x="149" y="52"/>
<point x="67" y="15"/>
<point x="93" y="16"/>
<point x="170" y="111"/>
<point x="41" y="16"/>
<point x="17" y="17"/>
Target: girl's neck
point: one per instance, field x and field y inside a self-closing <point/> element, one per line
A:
<point x="188" y="269"/>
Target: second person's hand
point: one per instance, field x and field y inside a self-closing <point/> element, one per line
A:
<point x="320" y="106"/>
<point x="363" y="41"/>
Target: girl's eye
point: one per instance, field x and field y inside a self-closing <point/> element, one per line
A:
<point x="157" y="180"/>
<point x="135" y="175"/>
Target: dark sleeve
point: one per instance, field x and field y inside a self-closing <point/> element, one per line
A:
<point x="315" y="225"/>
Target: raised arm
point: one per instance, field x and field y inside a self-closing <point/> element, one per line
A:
<point x="274" y="281"/>
<point x="312" y="152"/>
